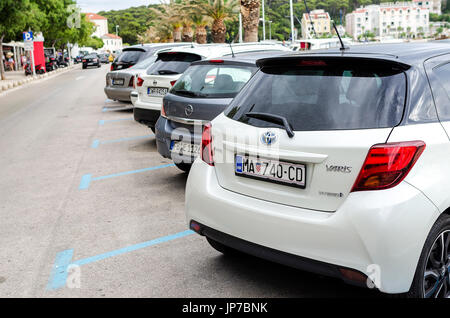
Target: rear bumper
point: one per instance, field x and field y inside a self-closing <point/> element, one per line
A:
<point x="378" y="233"/>
<point x="146" y="117"/>
<point x="119" y="93"/>
<point x="166" y="133"/>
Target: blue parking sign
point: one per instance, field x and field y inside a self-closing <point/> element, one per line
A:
<point x="28" y="36"/>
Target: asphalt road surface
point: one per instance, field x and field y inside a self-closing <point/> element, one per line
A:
<point x="88" y="208"/>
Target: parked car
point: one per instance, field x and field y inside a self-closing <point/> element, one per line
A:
<point x="104" y="58"/>
<point x="336" y="163"/>
<point x="91" y="60"/>
<point x="119" y="84"/>
<point x="134" y="54"/>
<point x="169" y="67"/>
<point x="202" y="92"/>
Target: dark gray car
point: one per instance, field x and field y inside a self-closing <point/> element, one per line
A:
<point x="203" y="92"/>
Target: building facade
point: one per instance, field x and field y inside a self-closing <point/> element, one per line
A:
<point x="101" y="24"/>
<point x="111" y="42"/>
<point x="317" y="18"/>
<point x="398" y="20"/>
<point x="434" y="6"/>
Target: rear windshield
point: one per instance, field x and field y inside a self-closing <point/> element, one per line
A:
<point x="321" y="95"/>
<point x="213" y="80"/>
<point x="172" y="63"/>
<point x="145" y="63"/>
<point x="91" y="56"/>
<point x="130" y="56"/>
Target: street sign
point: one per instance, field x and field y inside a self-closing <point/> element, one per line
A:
<point x="28" y="36"/>
<point x="28" y="45"/>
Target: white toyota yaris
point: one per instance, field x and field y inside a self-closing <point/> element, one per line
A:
<point x="336" y="162"/>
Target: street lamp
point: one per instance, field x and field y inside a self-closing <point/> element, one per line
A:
<point x="263" y="21"/>
<point x="291" y="10"/>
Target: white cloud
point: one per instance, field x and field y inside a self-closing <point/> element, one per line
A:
<point x="106" y="5"/>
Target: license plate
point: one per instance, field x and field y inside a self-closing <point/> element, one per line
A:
<point x="157" y="91"/>
<point x="184" y="148"/>
<point x="117" y="81"/>
<point x="287" y="173"/>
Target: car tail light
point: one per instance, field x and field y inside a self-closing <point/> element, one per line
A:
<point x="206" y="150"/>
<point x="215" y="61"/>
<point x="139" y="81"/>
<point x="387" y="165"/>
<point x="131" y="83"/>
<point x="163" y="110"/>
<point x="84" y="61"/>
<point x="112" y="67"/>
<point x="173" y="82"/>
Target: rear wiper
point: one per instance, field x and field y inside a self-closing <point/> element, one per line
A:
<point x="276" y="119"/>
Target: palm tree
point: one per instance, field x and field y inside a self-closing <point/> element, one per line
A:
<point x="218" y="11"/>
<point x="250" y="19"/>
<point x="169" y="15"/>
<point x="188" y="33"/>
<point x="200" y="23"/>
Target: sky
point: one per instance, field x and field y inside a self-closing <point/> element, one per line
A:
<point x="106" y="5"/>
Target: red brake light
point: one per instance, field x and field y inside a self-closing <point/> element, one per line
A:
<point x="172" y="82"/>
<point x="84" y="61"/>
<point x="139" y="81"/>
<point x="131" y="83"/>
<point x="163" y="110"/>
<point x="387" y="165"/>
<point x="206" y="150"/>
<point x="312" y="63"/>
<point x="215" y="61"/>
<point x="112" y="67"/>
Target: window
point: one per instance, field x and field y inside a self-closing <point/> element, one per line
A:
<point x="171" y="63"/>
<point x="213" y="80"/>
<point x="337" y="95"/>
<point x="440" y="85"/>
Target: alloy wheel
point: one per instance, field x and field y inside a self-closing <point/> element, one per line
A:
<point x="436" y="281"/>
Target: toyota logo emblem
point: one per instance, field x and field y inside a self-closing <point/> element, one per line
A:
<point x="268" y="138"/>
<point x="189" y="110"/>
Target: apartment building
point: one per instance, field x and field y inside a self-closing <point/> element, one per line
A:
<point x="101" y="24"/>
<point x="400" y="19"/>
<point x="317" y="18"/>
<point x="434" y="6"/>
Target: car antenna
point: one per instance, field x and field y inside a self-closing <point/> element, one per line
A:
<point x="231" y="48"/>
<point x="342" y="48"/>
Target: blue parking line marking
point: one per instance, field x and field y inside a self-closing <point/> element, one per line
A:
<point x="102" y="122"/>
<point x="63" y="260"/>
<point x="96" y="142"/>
<point x="87" y="178"/>
<point x="132" y="248"/>
<point x="58" y="276"/>
<point x="85" y="182"/>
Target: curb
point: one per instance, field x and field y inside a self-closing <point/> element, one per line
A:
<point x="4" y="87"/>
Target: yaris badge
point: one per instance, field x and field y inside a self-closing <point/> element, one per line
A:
<point x="268" y="138"/>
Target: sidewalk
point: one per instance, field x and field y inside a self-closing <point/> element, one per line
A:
<point x="18" y="78"/>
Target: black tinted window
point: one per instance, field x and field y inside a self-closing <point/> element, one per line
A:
<point x="172" y="63"/>
<point x="440" y="84"/>
<point x="130" y="56"/>
<point x="323" y="96"/>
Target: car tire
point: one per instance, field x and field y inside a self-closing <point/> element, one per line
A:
<point x="186" y="167"/>
<point x="428" y="263"/>
<point x="226" y="250"/>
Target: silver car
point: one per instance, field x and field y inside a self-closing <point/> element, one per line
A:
<point x="119" y="84"/>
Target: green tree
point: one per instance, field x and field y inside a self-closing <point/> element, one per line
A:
<point x="16" y="17"/>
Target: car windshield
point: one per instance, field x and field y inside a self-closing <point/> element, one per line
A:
<point x="130" y="56"/>
<point x="171" y="63"/>
<point x="322" y="95"/>
<point x="145" y="63"/>
<point x="213" y="80"/>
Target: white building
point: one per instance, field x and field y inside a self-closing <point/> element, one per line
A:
<point x="434" y="6"/>
<point x="400" y="19"/>
<point x="317" y="18"/>
<point x="111" y="42"/>
<point x="101" y="24"/>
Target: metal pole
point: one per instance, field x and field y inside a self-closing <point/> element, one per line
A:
<point x="270" y="30"/>
<point x="292" y="20"/>
<point x="240" y="27"/>
<point x="16" y="60"/>
<point x="32" y="62"/>
<point x="263" y="21"/>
